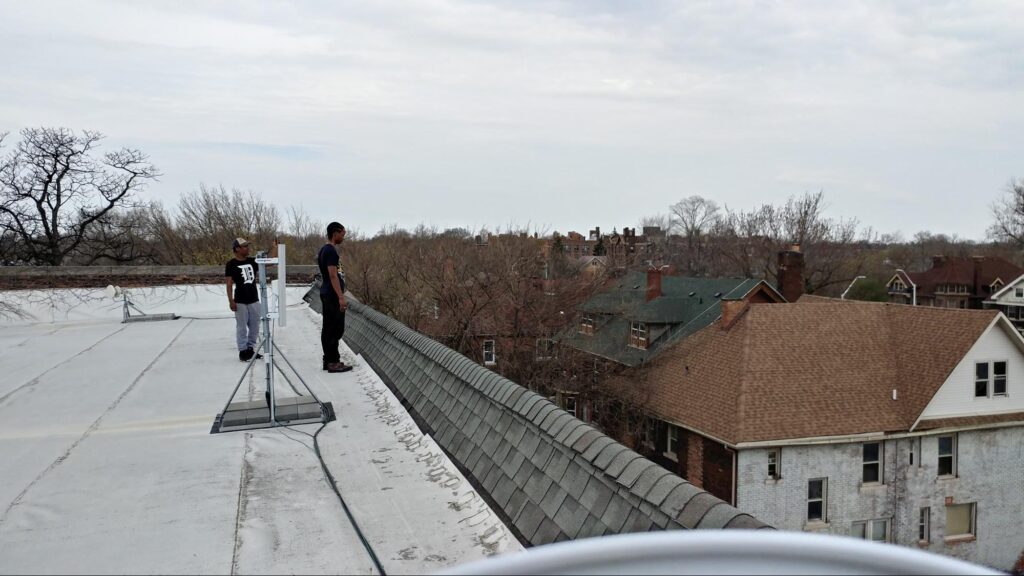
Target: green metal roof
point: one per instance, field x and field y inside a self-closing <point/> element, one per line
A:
<point x="686" y="306"/>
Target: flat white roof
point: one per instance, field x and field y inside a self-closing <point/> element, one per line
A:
<point x="108" y="464"/>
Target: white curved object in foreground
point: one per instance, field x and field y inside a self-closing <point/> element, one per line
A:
<point x="721" y="552"/>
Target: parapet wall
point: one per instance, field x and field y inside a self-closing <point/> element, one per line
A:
<point x="47" y="277"/>
<point x="553" y="476"/>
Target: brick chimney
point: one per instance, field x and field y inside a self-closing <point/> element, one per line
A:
<point x="731" y="312"/>
<point x="791" y="273"/>
<point x="653" y="283"/>
<point x="978" y="266"/>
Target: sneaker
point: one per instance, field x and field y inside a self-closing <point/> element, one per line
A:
<point x="336" y="367"/>
<point x="251" y="353"/>
<point x="244" y="355"/>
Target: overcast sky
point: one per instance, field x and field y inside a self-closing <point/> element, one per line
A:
<point x="554" y="114"/>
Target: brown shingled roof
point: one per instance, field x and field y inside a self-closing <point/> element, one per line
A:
<point x="962" y="271"/>
<point x="810" y="369"/>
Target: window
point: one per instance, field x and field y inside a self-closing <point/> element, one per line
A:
<point x="1018" y="292"/>
<point x="960" y="520"/>
<point x="947" y="455"/>
<point x="874" y="530"/>
<point x="817" y="499"/>
<point x="872" y="462"/>
<point x="545" y="348"/>
<point x="489" y="357"/>
<point x="570" y="405"/>
<point x="985" y="373"/>
<point x="898" y="286"/>
<point x="587" y="324"/>
<point x="773" y="464"/>
<point x="999" y="378"/>
<point x="981" y="380"/>
<point x="672" y="442"/>
<point x="924" y="526"/>
<point x="638" y="335"/>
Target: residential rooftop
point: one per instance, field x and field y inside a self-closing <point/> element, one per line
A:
<point x="816" y="368"/>
<point x="682" y="307"/>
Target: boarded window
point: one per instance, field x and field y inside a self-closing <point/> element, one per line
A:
<point x="960" y="520"/>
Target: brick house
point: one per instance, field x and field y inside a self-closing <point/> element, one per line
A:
<point x="893" y="423"/>
<point x="953" y="282"/>
<point x="635" y="317"/>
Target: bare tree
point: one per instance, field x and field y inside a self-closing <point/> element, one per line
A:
<point x="123" y="236"/>
<point x="693" y="218"/>
<point x="209" y="218"/>
<point x="54" y="189"/>
<point x="835" y="249"/>
<point x="1008" y="212"/>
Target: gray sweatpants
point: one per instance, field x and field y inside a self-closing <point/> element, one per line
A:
<point x="247" y="325"/>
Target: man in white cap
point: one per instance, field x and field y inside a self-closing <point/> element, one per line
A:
<point x="244" y="298"/>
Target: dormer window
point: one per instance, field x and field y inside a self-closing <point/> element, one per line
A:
<point x="587" y="324"/>
<point x="638" y="335"/>
<point x="897" y="285"/>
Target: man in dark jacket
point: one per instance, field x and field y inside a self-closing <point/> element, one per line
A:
<point x="332" y="298"/>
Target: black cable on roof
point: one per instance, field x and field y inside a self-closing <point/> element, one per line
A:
<point x="329" y="477"/>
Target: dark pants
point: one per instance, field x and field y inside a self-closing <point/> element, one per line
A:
<point x="334" y="328"/>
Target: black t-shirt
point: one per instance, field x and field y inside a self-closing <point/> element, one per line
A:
<point x="328" y="256"/>
<point x="243" y="273"/>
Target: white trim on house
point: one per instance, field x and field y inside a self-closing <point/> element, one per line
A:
<point x="1006" y="287"/>
<point x="939" y="406"/>
<point x="902" y="277"/>
<point x="767" y="285"/>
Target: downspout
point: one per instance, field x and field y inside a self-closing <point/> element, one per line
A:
<point x="735" y="476"/>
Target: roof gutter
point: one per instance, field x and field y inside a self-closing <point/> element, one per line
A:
<point x="701" y="433"/>
<point x="872" y="436"/>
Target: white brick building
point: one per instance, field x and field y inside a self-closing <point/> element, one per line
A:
<point x="912" y="504"/>
<point x="882" y="421"/>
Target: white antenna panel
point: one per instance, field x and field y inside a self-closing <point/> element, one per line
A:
<point x="282" y="286"/>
